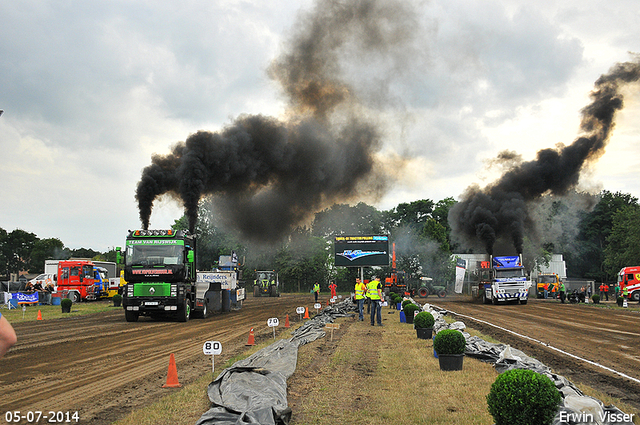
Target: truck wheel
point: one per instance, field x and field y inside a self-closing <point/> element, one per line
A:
<point x="495" y="301"/>
<point x="131" y="316"/>
<point x="523" y="302"/>
<point x="74" y="296"/>
<point x="635" y="296"/>
<point x="442" y="294"/>
<point x="184" y="311"/>
<point x="423" y="293"/>
<point x="485" y="300"/>
<point x="205" y="311"/>
<point x="256" y="291"/>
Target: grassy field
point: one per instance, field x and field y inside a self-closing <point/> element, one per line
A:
<point x="30" y="312"/>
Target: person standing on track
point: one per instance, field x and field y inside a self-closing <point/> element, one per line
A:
<point x="563" y="292"/>
<point x="316" y="290"/>
<point x="8" y="336"/>
<point x="374" y="289"/>
<point x="606" y="290"/>
<point x="332" y="288"/>
<point x="361" y="290"/>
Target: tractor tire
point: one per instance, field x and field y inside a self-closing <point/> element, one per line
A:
<point x="184" y="311"/>
<point x="256" y="291"/>
<point x="423" y="292"/>
<point x="131" y="316"/>
<point x="442" y="294"/>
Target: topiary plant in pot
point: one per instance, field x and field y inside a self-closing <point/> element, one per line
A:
<point x="423" y="322"/>
<point x="405" y="302"/>
<point x="595" y="298"/>
<point x="449" y="344"/>
<point x="409" y="310"/>
<point x="523" y="397"/>
<point x="66" y="304"/>
<point x="117" y="300"/>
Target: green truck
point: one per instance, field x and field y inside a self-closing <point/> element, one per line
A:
<point x="162" y="280"/>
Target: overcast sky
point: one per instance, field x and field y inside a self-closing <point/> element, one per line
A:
<point x="91" y="89"/>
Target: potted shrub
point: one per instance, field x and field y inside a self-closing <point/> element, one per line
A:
<point x="409" y="310"/>
<point x="405" y="302"/>
<point x="117" y="300"/>
<point x="449" y="344"/>
<point x="423" y="322"/>
<point x="523" y="397"/>
<point x="66" y="304"/>
<point x="620" y="301"/>
<point x="595" y="298"/>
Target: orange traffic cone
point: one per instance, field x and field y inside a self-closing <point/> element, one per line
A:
<point x="39" y="315"/>
<point x="306" y="313"/>
<point x="251" y="340"/>
<point x="286" y="321"/>
<point x="172" y="374"/>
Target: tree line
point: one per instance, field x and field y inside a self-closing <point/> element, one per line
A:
<point x="597" y="234"/>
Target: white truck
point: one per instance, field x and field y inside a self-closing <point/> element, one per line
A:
<point x="503" y="279"/>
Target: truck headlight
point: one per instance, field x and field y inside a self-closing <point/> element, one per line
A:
<point x="174" y="290"/>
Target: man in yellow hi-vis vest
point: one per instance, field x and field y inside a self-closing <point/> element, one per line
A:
<point x="361" y="289"/>
<point x="374" y="290"/>
<point x="316" y="290"/>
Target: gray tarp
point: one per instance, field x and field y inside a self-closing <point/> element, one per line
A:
<point x="254" y="390"/>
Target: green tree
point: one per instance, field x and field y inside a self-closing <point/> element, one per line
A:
<point x="303" y="260"/>
<point x="16" y="250"/>
<point x="595" y="228"/>
<point x="343" y="219"/>
<point x="45" y="249"/>
<point x="413" y="214"/>
<point x="623" y="242"/>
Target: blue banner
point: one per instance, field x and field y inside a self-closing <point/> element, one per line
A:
<point x="25" y="298"/>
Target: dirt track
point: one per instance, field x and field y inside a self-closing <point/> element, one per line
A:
<point x="104" y="367"/>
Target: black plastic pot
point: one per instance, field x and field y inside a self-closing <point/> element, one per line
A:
<point x="409" y="318"/>
<point x="450" y="361"/>
<point x="424" y="333"/>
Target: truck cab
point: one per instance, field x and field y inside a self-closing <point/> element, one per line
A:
<point x="629" y="277"/>
<point x="551" y="279"/>
<point x="506" y="281"/>
<point x="76" y="280"/>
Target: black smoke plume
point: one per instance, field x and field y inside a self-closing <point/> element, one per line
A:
<point x="500" y="212"/>
<point x="266" y="175"/>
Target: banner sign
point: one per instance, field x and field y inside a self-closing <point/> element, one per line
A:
<point x="25" y="298"/>
<point x="461" y="266"/>
<point x="359" y="251"/>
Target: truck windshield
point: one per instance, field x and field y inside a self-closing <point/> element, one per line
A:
<point x="507" y="273"/>
<point x="546" y="279"/>
<point x="154" y="255"/>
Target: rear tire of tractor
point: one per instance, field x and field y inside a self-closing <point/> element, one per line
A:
<point x="256" y="291"/>
<point x="423" y="292"/>
<point x="273" y="291"/>
<point x="131" y="316"/>
<point x="442" y="294"/>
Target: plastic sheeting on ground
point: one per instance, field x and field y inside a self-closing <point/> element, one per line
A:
<point x="576" y="408"/>
<point x="254" y="390"/>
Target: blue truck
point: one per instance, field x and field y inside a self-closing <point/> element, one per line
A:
<point x="503" y="279"/>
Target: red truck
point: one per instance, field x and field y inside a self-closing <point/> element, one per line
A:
<point x="630" y="277"/>
<point x="76" y="280"/>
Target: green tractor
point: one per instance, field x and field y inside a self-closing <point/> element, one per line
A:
<point x="428" y="288"/>
<point x="266" y="283"/>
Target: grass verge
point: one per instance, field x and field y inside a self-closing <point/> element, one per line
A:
<point x="48" y="312"/>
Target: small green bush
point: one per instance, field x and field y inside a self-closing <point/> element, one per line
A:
<point x="523" y="397"/>
<point x="409" y="309"/>
<point x="449" y="341"/>
<point x="117" y="300"/>
<point x="595" y="298"/>
<point x="424" y="319"/>
<point x="405" y="302"/>
<point x="66" y="303"/>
